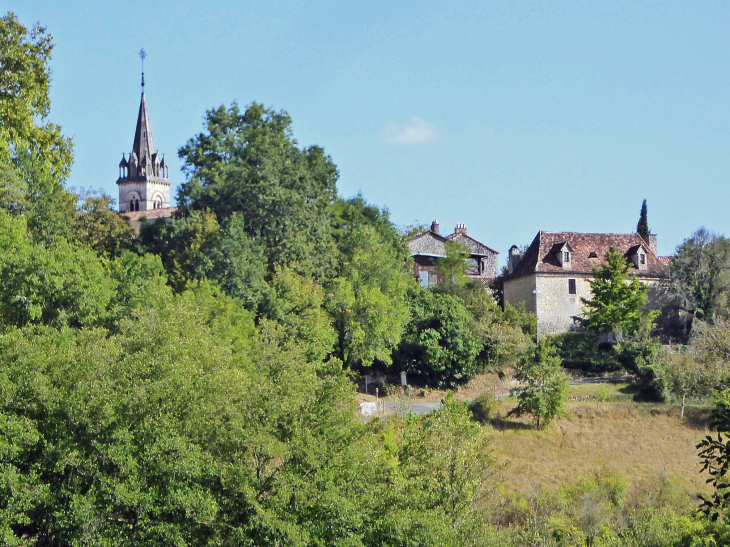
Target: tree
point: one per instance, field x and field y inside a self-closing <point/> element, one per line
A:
<point x="441" y="472"/>
<point x="97" y="225"/>
<point x="249" y="163"/>
<point x="367" y="300"/>
<point x="61" y="284"/>
<point x="642" y="228"/>
<point x="35" y="158"/>
<point x="700" y="368"/>
<point x="699" y="276"/>
<point x="543" y="391"/>
<point x="439" y="344"/>
<point x="25" y="79"/>
<point x="616" y="303"/>
<point x="453" y="266"/>
<point x="197" y="247"/>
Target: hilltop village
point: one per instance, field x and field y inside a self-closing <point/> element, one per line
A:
<point x="268" y="363"/>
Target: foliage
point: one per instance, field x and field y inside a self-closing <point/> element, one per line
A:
<point x="139" y="282"/>
<point x="504" y="334"/>
<point x="97" y="225"/>
<point x="296" y="303"/>
<point x="441" y="472"/>
<point x="439" y="344"/>
<point x="453" y="266"/>
<point x="197" y="247"/>
<point x="367" y="299"/>
<point x="63" y="284"/>
<point x="485" y="406"/>
<point x="25" y="134"/>
<point x="642" y="227"/>
<point x="249" y="163"/>
<point x="616" y="303"/>
<point x="699" y="276"/>
<point x="584" y="351"/>
<point x="543" y="391"/>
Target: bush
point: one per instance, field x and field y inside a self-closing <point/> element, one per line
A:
<point x="485" y="407"/>
<point x="582" y="351"/>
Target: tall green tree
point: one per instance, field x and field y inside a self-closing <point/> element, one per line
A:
<point x="617" y="302"/>
<point x="249" y="162"/>
<point x="699" y="276"/>
<point x="25" y="76"/>
<point x="642" y="227"/>
<point x="542" y="394"/>
<point x="367" y="300"/>
<point x="35" y="150"/>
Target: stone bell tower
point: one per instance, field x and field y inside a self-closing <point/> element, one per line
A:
<point x="143" y="181"/>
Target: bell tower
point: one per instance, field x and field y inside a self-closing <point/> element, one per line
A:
<point x="144" y="179"/>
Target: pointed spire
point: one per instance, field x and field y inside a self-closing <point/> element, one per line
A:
<point x="144" y="144"/>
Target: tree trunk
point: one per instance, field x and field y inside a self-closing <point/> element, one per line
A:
<point x="681" y="416"/>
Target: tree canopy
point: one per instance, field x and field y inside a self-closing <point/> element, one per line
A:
<point x="249" y="163"/>
<point x="617" y="302"/>
<point x="699" y="276"/>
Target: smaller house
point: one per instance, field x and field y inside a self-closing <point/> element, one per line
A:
<point x="556" y="270"/>
<point x="428" y="247"/>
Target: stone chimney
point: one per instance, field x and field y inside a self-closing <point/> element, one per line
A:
<point x="653" y="244"/>
<point x="513" y="260"/>
<point x="460" y="229"/>
<point x="435" y="227"/>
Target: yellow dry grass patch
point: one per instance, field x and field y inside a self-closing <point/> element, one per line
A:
<point x="637" y="440"/>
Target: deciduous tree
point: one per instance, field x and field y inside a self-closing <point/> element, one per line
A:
<point x="699" y="276"/>
<point x="249" y="163"/>
<point x="543" y="391"/>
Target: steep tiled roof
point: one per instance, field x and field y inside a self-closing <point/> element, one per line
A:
<point x="540" y="257"/>
<point x="475" y="247"/>
<point x="427" y="244"/>
<point x="666" y="260"/>
<point x="144" y="144"/>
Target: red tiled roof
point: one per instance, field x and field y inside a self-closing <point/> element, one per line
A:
<point x="589" y="251"/>
<point x="666" y="260"/>
<point x="151" y="214"/>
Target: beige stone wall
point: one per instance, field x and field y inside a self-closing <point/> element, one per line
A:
<point x="556" y="308"/>
<point x="521" y="290"/>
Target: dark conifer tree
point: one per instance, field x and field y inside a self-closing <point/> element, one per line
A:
<point x="642" y="228"/>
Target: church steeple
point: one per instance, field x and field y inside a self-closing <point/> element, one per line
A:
<point x="144" y="144"/>
<point x="143" y="179"/>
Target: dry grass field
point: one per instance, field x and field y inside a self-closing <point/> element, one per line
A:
<point x="609" y="432"/>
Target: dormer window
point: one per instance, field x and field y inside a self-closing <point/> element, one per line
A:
<point x="562" y="252"/>
<point x="638" y="256"/>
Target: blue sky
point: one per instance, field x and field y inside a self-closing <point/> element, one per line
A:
<point x="511" y="117"/>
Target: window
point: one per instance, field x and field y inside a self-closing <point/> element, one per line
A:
<point x="642" y="259"/>
<point x="566" y="256"/>
<point x="571" y="286"/>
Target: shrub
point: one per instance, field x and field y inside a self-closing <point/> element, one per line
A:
<point x="485" y="407"/>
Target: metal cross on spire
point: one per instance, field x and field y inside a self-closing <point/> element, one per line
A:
<point x="142" y="55"/>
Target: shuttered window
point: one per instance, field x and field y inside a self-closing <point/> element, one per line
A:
<point x="571" y="286"/>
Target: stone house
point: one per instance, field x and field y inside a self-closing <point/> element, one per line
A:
<point x="428" y="247"/>
<point x="555" y="273"/>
